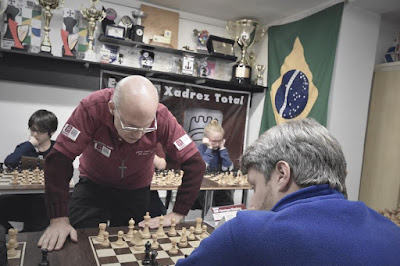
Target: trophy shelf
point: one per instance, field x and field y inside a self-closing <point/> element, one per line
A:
<point x="128" y="42"/>
<point x="43" y="68"/>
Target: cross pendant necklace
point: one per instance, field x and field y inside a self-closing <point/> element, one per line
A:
<point x="122" y="167"/>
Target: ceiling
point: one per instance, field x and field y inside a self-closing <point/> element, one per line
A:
<point x="271" y="11"/>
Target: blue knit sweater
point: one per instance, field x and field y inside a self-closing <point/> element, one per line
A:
<point x="25" y="149"/>
<point x="216" y="160"/>
<point x="313" y="226"/>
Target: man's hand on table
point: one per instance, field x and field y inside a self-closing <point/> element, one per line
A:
<point x="54" y="236"/>
<point x="155" y="222"/>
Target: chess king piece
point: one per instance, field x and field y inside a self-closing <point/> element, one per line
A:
<point x="246" y="32"/>
<point x="48" y="6"/>
<point x="92" y="15"/>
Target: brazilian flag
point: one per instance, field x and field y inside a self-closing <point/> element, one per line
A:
<point x="301" y="56"/>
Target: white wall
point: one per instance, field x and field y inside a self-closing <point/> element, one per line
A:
<point x="351" y="87"/>
<point x="18" y="101"/>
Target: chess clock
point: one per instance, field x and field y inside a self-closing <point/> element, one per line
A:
<point x="137" y="33"/>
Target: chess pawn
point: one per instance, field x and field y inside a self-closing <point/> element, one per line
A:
<point x="26" y="178"/>
<point x="183" y="241"/>
<point x="14" y="180"/>
<point x="160" y="231"/>
<point x="172" y="231"/>
<point x="120" y="242"/>
<point x="191" y="235"/>
<point x="36" y="176"/>
<point x="198" y="229"/>
<point x="131" y="226"/>
<point x="11" y="252"/>
<point x="102" y="228"/>
<point x="174" y="249"/>
<point x="146" y="231"/>
<point x="204" y="234"/>
<point x="154" y="244"/>
<point x="106" y="242"/>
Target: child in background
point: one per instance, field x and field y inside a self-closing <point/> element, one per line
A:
<point x="42" y="125"/>
<point x="216" y="157"/>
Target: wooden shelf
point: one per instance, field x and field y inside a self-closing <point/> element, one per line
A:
<point x="128" y="42"/>
<point x="43" y="68"/>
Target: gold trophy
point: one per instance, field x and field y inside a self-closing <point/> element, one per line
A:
<point x="93" y="16"/>
<point x="246" y="32"/>
<point x="48" y="6"/>
<point x="260" y="71"/>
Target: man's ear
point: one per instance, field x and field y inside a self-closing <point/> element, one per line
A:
<point x="284" y="173"/>
<point x="111" y="107"/>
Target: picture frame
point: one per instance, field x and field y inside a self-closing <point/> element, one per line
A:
<point x="115" y="31"/>
<point x="220" y="46"/>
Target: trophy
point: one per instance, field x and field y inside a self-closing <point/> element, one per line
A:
<point x="48" y="6"/>
<point x="260" y="71"/>
<point x="246" y="32"/>
<point x="92" y="15"/>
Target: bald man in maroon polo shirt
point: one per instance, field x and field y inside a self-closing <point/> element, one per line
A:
<point x="116" y="133"/>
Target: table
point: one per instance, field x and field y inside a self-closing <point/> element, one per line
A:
<point x="74" y="253"/>
<point x="207" y="185"/>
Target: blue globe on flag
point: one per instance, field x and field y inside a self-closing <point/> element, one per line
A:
<point x="292" y="95"/>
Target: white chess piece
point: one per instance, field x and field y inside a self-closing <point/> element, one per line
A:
<point x="154" y="244"/>
<point x="160" y="231"/>
<point x="120" y="242"/>
<point x="191" y="236"/>
<point x="198" y="229"/>
<point x="204" y="234"/>
<point x="174" y="249"/>
<point x="183" y="241"/>
<point x="131" y="226"/>
<point x="106" y="242"/>
<point x="102" y="228"/>
<point x="172" y="231"/>
<point x="146" y="231"/>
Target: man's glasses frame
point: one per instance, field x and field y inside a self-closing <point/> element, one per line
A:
<point x="137" y="129"/>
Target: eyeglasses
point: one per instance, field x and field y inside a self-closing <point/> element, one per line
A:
<point x="215" y="141"/>
<point x="137" y="129"/>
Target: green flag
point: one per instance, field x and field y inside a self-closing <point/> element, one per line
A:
<point x="301" y="56"/>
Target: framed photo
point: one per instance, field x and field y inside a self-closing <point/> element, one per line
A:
<point x="114" y="31"/>
<point x="219" y="45"/>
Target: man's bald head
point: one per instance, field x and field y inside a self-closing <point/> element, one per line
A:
<point x="136" y="98"/>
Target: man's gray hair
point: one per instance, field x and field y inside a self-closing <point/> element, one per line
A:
<point x="312" y="152"/>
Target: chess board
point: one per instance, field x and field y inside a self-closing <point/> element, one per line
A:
<point x="127" y="255"/>
<point x="231" y="179"/>
<point x="5" y="178"/>
<point x="18" y="260"/>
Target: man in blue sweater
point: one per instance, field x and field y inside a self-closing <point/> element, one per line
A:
<point x="301" y="215"/>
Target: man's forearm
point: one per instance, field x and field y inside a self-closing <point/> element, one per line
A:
<point x="58" y="172"/>
<point x="194" y="169"/>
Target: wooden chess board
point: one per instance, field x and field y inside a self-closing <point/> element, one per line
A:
<point x="127" y="255"/>
<point x="18" y="260"/>
<point x="5" y="178"/>
<point x="229" y="179"/>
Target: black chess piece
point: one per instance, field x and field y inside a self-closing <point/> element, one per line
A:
<point x="44" y="261"/>
<point x="1" y="168"/>
<point x="153" y="261"/>
<point x="30" y="165"/>
<point x="146" y="260"/>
